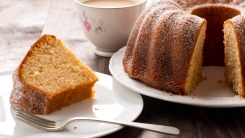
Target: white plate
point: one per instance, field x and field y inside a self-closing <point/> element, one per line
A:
<point x="212" y="92"/>
<point x="111" y="101"/>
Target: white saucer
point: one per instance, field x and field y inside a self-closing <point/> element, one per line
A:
<point x="112" y="101"/>
<point x="103" y="53"/>
<point x="212" y="92"/>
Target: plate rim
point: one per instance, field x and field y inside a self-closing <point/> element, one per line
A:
<point x="102" y="133"/>
<point x="119" y="55"/>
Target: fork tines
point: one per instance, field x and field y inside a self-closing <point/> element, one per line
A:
<point x="35" y="121"/>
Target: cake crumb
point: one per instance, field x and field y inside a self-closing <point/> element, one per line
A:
<point x="75" y="127"/>
<point x="171" y="94"/>
<point x="220" y="81"/>
<point x="97" y="109"/>
<point x="36" y="73"/>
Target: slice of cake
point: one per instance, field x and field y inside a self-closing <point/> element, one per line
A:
<point x="50" y="77"/>
<point x="234" y="54"/>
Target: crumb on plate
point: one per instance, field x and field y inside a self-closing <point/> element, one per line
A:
<point x="97" y="109"/>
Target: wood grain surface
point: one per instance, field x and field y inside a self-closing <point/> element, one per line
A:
<point x="22" y="22"/>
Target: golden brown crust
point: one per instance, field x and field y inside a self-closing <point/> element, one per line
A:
<point x="162" y="41"/>
<point x="186" y="4"/>
<point x="159" y="61"/>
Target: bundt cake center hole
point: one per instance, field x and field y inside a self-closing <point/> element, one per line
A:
<point x="213" y="51"/>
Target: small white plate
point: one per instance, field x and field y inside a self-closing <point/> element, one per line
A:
<point x="112" y="101"/>
<point x="211" y="92"/>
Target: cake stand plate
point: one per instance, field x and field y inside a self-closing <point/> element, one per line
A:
<point x="211" y="92"/>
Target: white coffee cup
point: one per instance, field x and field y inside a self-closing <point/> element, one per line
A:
<point x="108" y="27"/>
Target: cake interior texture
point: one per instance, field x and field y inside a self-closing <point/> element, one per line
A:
<point x="220" y="46"/>
<point x="232" y="59"/>
<point x="215" y="15"/>
<point x="56" y="75"/>
<point x="195" y="68"/>
<point x="53" y="68"/>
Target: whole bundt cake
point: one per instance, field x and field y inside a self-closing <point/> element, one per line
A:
<point x="173" y="39"/>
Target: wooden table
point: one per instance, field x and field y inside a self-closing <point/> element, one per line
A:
<point x="22" y="22"/>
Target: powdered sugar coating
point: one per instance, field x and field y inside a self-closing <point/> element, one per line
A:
<point x="161" y="44"/>
<point x="25" y="98"/>
<point x="17" y="89"/>
<point x="192" y="3"/>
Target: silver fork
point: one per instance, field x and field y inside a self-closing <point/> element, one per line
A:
<point x="49" y="125"/>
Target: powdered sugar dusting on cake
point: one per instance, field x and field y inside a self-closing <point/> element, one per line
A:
<point x="22" y="97"/>
<point x="17" y="88"/>
<point x="186" y="5"/>
<point x="156" y="40"/>
<point x="239" y="22"/>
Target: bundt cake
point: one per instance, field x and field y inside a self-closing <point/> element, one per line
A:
<point x="49" y="78"/>
<point x="173" y="39"/>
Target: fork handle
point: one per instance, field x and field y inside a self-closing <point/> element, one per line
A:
<point x="151" y="127"/>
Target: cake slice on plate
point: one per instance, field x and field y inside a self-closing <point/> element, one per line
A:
<point x="50" y="77"/>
